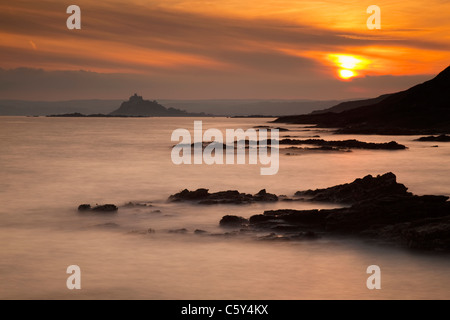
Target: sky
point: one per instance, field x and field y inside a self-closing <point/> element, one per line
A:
<point x="219" y="49"/>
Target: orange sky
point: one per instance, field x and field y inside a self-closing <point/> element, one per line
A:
<point x="216" y="49"/>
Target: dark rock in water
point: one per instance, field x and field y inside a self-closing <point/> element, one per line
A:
<point x="202" y="196"/>
<point x="106" y="208"/>
<point x="429" y="234"/>
<point x="198" y="231"/>
<point x="198" y="194"/>
<point x="264" y="196"/>
<point x="441" y="138"/>
<point x="233" y="221"/>
<point x="380" y="207"/>
<point x="345" y="144"/>
<point x="359" y="190"/>
<point x="101" y="208"/>
<point x="84" y="207"/>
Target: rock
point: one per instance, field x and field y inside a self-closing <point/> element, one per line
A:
<point x="429" y="235"/>
<point x="233" y="221"/>
<point x="198" y="194"/>
<point x="379" y="207"/>
<point x="84" y="207"/>
<point x="98" y="208"/>
<point x="202" y="196"/>
<point x="106" y="208"/>
<point x="264" y="196"/>
<point x="198" y="231"/>
<point x="441" y="138"/>
<point x="345" y="144"/>
<point x="359" y="190"/>
<point x="150" y="230"/>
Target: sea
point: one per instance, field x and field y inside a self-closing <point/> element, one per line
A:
<point x="49" y="166"/>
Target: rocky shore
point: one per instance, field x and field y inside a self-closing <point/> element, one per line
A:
<point x="370" y="207"/>
<point x="378" y="207"/>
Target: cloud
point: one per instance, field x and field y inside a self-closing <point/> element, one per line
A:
<point x="33" y="45"/>
<point x="181" y="49"/>
<point x="38" y="84"/>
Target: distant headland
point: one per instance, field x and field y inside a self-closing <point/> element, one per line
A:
<point x="422" y="109"/>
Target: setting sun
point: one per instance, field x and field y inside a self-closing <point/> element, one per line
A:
<point x="348" y="64"/>
<point x="346" y="74"/>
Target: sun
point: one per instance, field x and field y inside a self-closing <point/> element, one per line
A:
<point x="346" y="74"/>
<point x="348" y="64"/>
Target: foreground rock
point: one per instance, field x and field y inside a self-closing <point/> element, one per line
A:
<point x="441" y="138"/>
<point x="202" y="196"/>
<point x="380" y="208"/>
<point x="367" y="188"/>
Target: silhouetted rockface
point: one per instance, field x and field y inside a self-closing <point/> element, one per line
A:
<point x="424" y="108"/>
<point x="349" y="105"/>
<point x="138" y="107"/>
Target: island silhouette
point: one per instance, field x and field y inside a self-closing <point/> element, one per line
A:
<point x="136" y="106"/>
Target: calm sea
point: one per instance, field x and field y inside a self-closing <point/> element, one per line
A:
<point x="48" y="166"/>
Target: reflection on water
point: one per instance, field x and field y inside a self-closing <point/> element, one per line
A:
<point x="50" y="166"/>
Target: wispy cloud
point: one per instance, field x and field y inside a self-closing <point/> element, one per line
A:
<point x="223" y="41"/>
